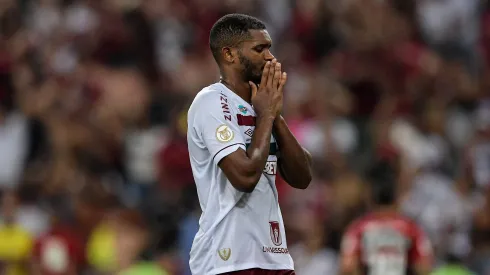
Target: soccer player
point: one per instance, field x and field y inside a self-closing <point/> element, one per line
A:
<point x="385" y="242"/>
<point x="238" y="141"/>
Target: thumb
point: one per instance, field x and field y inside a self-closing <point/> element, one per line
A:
<point x="253" y="86"/>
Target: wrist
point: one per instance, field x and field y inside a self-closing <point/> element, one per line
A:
<point x="278" y="119"/>
<point x="266" y="117"/>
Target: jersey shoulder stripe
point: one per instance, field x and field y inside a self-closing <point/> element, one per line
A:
<point x="245" y="120"/>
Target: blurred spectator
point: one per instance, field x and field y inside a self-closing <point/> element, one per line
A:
<point x="310" y="255"/>
<point x="15" y="242"/>
<point x="60" y="251"/>
<point x="452" y="28"/>
<point x="14" y="145"/>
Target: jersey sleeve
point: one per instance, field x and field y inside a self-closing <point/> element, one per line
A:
<point x="218" y="126"/>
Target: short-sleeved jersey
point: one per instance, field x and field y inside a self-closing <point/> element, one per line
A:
<point x="237" y="230"/>
<point x="385" y="245"/>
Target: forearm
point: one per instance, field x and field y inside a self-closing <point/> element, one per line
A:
<point x="258" y="151"/>
<point x="292" y="156"/>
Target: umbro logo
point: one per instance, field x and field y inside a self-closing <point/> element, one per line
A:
<point x="249" y="132"/>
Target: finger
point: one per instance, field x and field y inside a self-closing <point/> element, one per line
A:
<point x="254" y="88"/>
<point x="282" y="82"/>
<point x="271" y="73"/>
<point x="265" y="74"/>
<point x="277" y="75"/>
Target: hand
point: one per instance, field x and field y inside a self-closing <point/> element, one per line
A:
<point x="267" y="98"/>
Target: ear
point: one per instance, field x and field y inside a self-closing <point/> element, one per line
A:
<point x="228" y="54"/>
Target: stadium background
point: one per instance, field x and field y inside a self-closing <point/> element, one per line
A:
<point x="93" y="99"/>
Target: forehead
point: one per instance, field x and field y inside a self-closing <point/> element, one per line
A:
<point x="259" y="37"/>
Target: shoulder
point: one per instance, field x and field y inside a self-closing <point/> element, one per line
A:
<point x="210" y="95"/>
<point x="211" y="101"/>
<point x="408" y="222"/>
<point x="359" y="223"/>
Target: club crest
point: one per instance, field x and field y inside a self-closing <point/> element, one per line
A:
<point x="275" y="231"/>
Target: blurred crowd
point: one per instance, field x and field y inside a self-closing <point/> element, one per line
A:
<point x="94" y="168"/>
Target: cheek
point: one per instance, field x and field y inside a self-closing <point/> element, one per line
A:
<point x="257" y="64"/>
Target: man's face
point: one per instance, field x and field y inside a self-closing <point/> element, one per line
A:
<point x="253" y="54"/>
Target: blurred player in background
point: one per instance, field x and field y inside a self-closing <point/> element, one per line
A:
<point x="384" y="242"/>
<point x="238" y="141"/>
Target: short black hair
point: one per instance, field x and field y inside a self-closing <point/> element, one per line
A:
<point x="230" y="30"/>
<point x="382" y="177"/>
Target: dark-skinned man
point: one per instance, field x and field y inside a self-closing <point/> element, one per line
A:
<point x="238" y="141"/>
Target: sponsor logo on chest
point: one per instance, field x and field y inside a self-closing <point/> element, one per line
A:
<point x="225" y="107"/>
<point x="276" y="238"/>
<point x="270" y="168"/>
<point x="275" y="231"/>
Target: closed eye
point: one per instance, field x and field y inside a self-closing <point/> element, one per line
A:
<point x="260" y="48"/>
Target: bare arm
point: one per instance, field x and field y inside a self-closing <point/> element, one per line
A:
<point x="292" y="156"/>
<point x="244" y="168"/>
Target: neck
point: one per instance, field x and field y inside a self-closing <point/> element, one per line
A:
<point x="238" y="86"/>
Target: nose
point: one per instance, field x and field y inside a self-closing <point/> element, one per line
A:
<point x="268" y="55"/>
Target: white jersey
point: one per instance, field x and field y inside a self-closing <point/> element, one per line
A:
<point x="237" y="230"/>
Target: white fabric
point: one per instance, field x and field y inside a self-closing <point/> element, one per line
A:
<point x="343" y="134"/>
<point x="141" y="150"/>
<point x="33" y="219"/>
<point x="421" y="150"/>
<point x="449" y="20"/>
<point x="443" y="213"/>
<point x="323" y="261"/>
<point x="233" y="223"/>
<point x="480" y="157"/>
<point x="13" y="148"/>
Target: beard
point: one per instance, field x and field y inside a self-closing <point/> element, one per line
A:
<point x="251" y="72"/>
